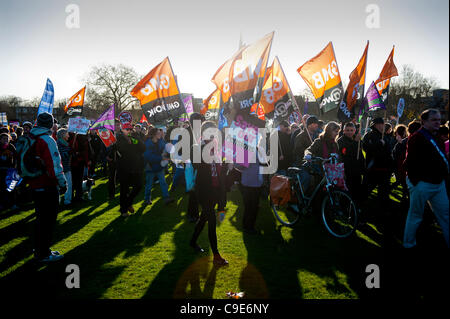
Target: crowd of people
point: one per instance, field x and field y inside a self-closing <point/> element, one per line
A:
<point x="64" y="168"/>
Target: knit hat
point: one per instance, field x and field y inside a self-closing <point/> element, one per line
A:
<point x="26" y="123"/>
<point x="312" y="120"/>
<point x="61" y="133"/>
<point x="45" y="120"/>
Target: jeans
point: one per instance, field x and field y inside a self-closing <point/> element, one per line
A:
<point x="177" y="177"/>
<point x="68" y="194"/>
<point x="419" y="194"/>
<point x="149" y="177"/>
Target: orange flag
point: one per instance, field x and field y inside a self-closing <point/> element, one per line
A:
<point x="355" y="89"/>
<point x="159" y="95"/>
<point x="321" y="74"/>
<point x="276" y="97"/>
<point x="239" y="76"/>
<point x="211" y="106"/>
<point x="75" y="104"/>
<point x="389" y="70"/>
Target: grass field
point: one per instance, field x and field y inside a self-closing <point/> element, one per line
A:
<point x="147" y="255"/>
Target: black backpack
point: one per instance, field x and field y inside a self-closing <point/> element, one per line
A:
<point x="30" y="165"/>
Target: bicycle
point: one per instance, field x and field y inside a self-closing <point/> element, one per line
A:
<point x="339" y="213"/>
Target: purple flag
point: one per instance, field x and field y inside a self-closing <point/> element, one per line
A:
<point x="305" y="108"/>
<point x="188" y="104"/>
<point x="373" y="100"/>
<point x="106" y="120"/>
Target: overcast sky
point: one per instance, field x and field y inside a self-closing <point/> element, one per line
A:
<point x="199" y="35"/>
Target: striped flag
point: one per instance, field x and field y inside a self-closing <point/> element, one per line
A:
<point x="106" y="120"/>
<point x="373" y="100"/>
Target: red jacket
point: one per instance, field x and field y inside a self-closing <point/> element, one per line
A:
<point x="47" y="150"/>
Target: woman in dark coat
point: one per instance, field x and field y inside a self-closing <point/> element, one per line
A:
<point x="207" y="188"/>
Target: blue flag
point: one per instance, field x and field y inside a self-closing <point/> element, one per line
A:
<point x="12" y="179"/>
<point x="46" y="104"/>
<point x="222" y="120"/>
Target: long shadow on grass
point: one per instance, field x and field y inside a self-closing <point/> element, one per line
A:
<point x="185" y="270"/>
<point x="122" y="238"/>
<point x="308" y="262"/>
<point x="270" y="272"/>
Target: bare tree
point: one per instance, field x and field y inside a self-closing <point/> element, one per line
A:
<point x="414" y="88"/>
<point x="111" y="84"/>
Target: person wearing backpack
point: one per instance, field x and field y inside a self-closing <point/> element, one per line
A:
<point x="46" y="185"/>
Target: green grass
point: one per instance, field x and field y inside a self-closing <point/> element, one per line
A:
<point x="147" y="255"/>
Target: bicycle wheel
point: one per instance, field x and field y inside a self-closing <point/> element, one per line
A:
<point x="287" y="214"/>
<point x="339" y="217"/>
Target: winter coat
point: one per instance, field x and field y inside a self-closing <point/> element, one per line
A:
<point x="153" y="154"/>
<point x="378" y="156"/>
<point x="129" y="156"/>
<point x="47" y="150"/>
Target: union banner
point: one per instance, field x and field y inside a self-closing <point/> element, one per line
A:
<point x="75" y="104"/>
<point x="242" y="76"/>
<point x="321" y="74"/>
<point x="159" y="95"/>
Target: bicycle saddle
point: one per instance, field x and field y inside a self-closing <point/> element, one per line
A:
<point x="293" y="169"/>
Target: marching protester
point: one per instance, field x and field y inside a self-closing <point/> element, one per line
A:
<point x="251" y="182"/>
<point x="66" y="155"/>
<point x="379" y="163"/>
<point x="284" y="148"/>
<point x="350" y="153"/>
<point x="8" y="160"/>
<point x="326" y="143"/>
<point x="378" y="160"/>
<point x="427" y="170"/>
<point x="46" y="187"/>
<point x="27" y="126"/>
<point x="80" y="161"/>
<point x="111" y="158"/>
<point x="154" y="157"/>
<point x="398" y="155"/>
<point x="130" y="166"/>
<point x="305" y="138"/>
<point x="195" y="138"/>
<point x="207" y="189"/>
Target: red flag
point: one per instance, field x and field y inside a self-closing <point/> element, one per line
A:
<point x="143" y="119"/>
<point x="106" y="136"/>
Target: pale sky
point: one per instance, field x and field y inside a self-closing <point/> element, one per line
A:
<point x="199" y="35"/>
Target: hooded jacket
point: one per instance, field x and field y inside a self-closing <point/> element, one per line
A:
<point x="47" y="151"/>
